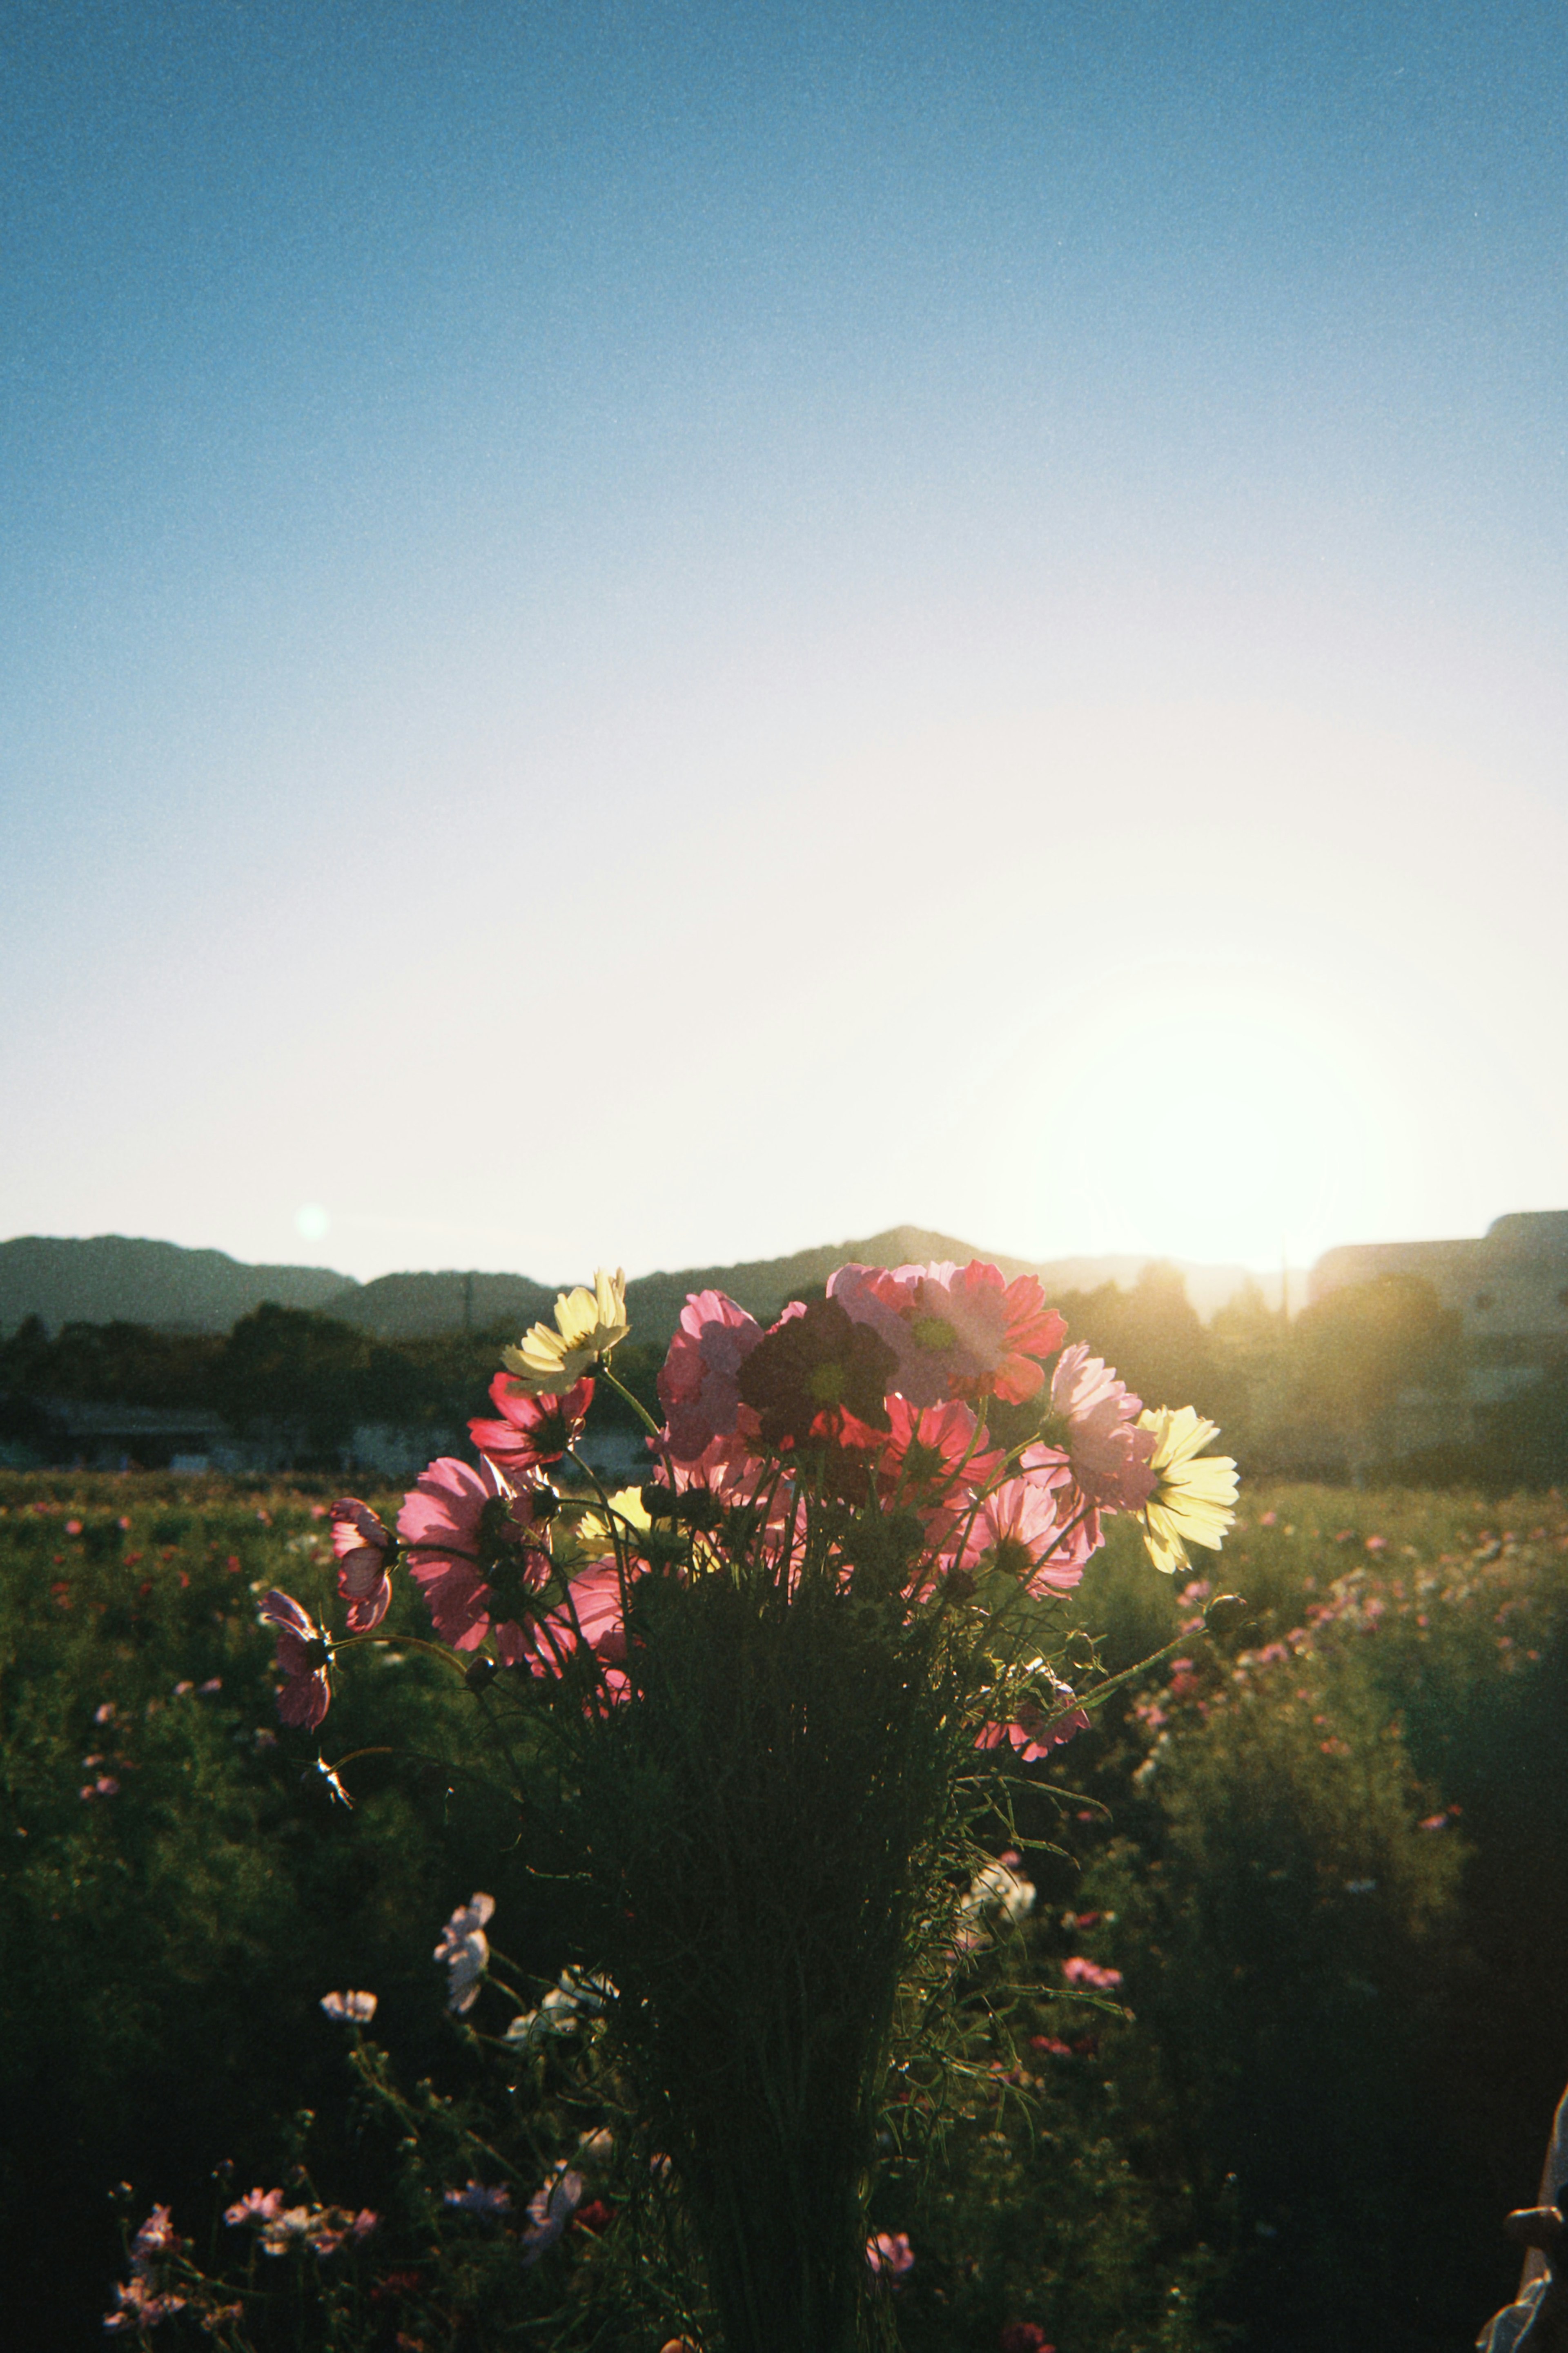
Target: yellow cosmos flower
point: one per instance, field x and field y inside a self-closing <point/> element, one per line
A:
<point x="594" y="1531"/>
<point x="587" y="1322"/>
<point x="1194" y="1501"/>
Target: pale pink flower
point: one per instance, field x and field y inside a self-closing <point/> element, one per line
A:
<point x="104" y="1713"/>
<point x="698" y="1383"/>
<point x="1111" y="1454"/>
<point x="303" y="1656"/>
<point x="594" y="1608"/>
<point x="1035" y="1526"/>
<point x="889" y="2255"/>
<point x="350" y="2009"/>
<point x="256" y="2206"/>
<point x="464" y="1948"/>
<point x="1090" y="1975"/>
<point x="140" y="2306"/>
<point x="533" y="1430"/>
<point x="549" y="2210"/>
<point x="157" y="2235"/>
<point x="465" y="1531"/>
<point x="362" y="1545"/>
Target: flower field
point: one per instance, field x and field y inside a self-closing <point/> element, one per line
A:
<point x="1260" y="2021"/>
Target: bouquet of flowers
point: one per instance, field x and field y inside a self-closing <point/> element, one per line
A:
<point x="742" y="1702"/>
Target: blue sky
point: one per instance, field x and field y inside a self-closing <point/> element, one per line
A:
<point x="665" y="632"/>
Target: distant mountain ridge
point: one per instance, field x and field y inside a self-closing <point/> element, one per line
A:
<point x="115" y="1277"/>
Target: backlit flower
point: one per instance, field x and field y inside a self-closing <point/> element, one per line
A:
<point x="362" y="1545"/>
<point x="1194" y="1501"/>
<point x="533" y="1430"/>
<point x="699" y="1384"/>
<point x="256" y="2206"/>
<point x="466" y="1533"/>
<point x="1110" y="1451"/>
<point x="889" y="2255"/>
<point x="815" y="1366"/>
<point x="350" y="2009"/>
<point x="480" y="2197"/>
<point x="303" y="1652"/>
<point x="587" y="1324"/>
<point x="549" y="2210"/>
<point x="464" y="1948"/>
<point x="1090" y="1976"/>
<point x="965" y="1331"/>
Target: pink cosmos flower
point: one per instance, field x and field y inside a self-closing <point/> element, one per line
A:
<point x="465" y="1531"/>
<point x="699" y="1384"/>
<point x="139" y="2306"/>
<point x="256" y="2206"/>
<point x="1090" y="1975"/>
<point x="157" y="2235"/>
<point x="594" y="1608"/>
<point x="1034" y="1731"/>
<point x="934" y="1452"/>
<point x="956" y="1331"/>
<point x="362" y="1545"/>
<point x="464" y="1948"/>
<point x="533" y="1430"/>
<point x="350" y="2009"/>
<point x="889" y="2255"/>
<point x="549" y="2210"/>
<point x="1111" y="1454"/>
<point x="302" y="1655"/>
<point x="1025" y="2336"/>
<point x="1036" y="1527"/>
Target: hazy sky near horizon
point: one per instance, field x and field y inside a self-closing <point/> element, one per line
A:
<point x="662" y="632"/>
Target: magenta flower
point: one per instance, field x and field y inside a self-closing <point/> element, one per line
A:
<point x="303" y="1652"/>
<point x="466" y="1533"/>
<point x="363" y="1547"/>
<point x="889" y="2255"/>
<point x="464" y="1948"/>
<point x="1090" y="1975"/>
<point x="533" y="1430"/>
<point x="549" y="2210"/>
<point x="698" y="1383"/>
<point x="1111" y="1454"/>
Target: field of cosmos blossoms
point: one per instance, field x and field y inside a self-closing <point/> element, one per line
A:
<point x="1256" y="2029"/>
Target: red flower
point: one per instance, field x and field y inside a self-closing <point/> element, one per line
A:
<point x="1025" y="2336"/>
<point x="363" y="1547"/>
<point x="303" y="1652"/>
<point x="533" y="1430"/>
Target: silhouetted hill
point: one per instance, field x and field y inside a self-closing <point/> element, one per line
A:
<point x="114" y="1279"/>
<point x="425" y="1306"/>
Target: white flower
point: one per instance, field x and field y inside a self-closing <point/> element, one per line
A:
<point x="549" y="2210"/>
<point x="350" y="2009"/>
<point x="464" y="1948"/>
